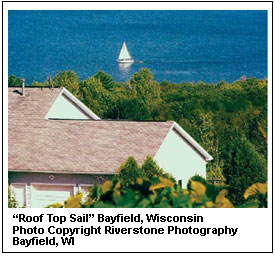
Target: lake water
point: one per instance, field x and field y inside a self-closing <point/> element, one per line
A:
<point x="176" y="46"/>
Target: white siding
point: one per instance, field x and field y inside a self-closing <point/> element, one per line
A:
<point x="64" y="109"/>
<point x="180" y="159"/>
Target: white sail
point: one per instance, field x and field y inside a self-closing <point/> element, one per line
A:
<point x="124" y="55"/>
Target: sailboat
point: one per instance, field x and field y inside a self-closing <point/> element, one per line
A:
<point x="124" y="55"/>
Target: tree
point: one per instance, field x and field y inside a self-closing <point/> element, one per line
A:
<point x="131" y="109"/>
<point x="146" y="91"/>
<point x="14" y="81"/>
<point x="243" y="167"/>
<point x="106" y="80"/>
<point x="96" y="97"/>
<point x="151" y="169"/>
<point x="129" y="171"/>
<point x="203" y="129"/>
<point x="67" y="79"/>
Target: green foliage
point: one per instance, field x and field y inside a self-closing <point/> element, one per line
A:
<point x="95" y="96"/>
<point x="256" y="195"/>
<point x="67" y="79"/>
<point x="212" y="190"/>
<point x="12" y="203"/>
<point x="147" y="91"/>
<point x="131" y="109"/>
<point x="198" y="178"/>
<point x="106" y="80"/>
<point x="157" y="192"/>
<point x="74" y="201"/>
<point x="151" y="169"/>
<point x="14" y="81"/>
<point x="245" y="166"/>
<point x="129" y="171"/>
<point x="202" y="125"/>
<point x="38" y="84"/>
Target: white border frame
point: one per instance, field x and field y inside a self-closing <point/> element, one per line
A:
<point x="246" y="219"/>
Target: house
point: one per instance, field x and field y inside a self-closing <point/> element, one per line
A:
<point x="58" y="147"/>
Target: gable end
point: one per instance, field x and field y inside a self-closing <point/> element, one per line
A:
<point x="191" y="142"/>
<point x="67" y="106"/>
<point x="188" y="143"/>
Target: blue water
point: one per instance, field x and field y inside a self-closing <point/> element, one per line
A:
<point x="176" y="46"/>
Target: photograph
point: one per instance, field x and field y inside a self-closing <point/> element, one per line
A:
<point x="137" y="108"/>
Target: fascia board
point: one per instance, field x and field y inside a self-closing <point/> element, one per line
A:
<point x="196" y="145"/>
<point x="79" y="104"/>
<point x="76" y="101"/>
<point x="61" y="172"/>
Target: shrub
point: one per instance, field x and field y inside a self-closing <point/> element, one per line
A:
<point x="212" y="190"/>
<point x="256" y="195"/>
<point x="74" y="201"/>
<point x="151" y="169"/>
<point x="161" y="193"/>
<point x="157" y="192"/>
<point x="196" y="178"/>
<point x="129" y="171"/>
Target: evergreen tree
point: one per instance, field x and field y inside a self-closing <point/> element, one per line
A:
<point x="129" y="171"/>
<point x="243" y="167"/>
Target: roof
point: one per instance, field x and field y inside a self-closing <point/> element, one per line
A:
<point x="37" y="144"/>
<point x="73" y="146"/>
<point x="67" y="146"/>
<point x="37" y="102"/>
<point x="34" y="105"/>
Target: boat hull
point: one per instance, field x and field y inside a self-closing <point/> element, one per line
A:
<point x="125" y="61"/>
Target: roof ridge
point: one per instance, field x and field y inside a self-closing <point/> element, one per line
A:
<point x="37" y="87"/>
<point x="113" y="120"/>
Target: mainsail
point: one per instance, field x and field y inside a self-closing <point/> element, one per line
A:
<point x="124" y="55"/>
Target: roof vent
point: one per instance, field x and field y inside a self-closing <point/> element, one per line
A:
<point x="23" y="86"/>
<point x="50" y="82"/>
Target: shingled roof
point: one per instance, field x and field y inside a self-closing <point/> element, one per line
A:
<point x="72" y="146"/>
<point x="34" y="105"/>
